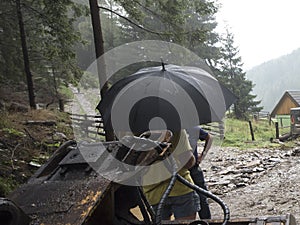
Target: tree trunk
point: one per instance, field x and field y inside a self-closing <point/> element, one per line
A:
<point x="99" y="48"/>
<point x="26" y="57"/>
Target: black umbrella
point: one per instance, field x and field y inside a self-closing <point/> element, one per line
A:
<point x="169" y="97"/>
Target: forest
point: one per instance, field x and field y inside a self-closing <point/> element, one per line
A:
<point x="47" y="46"/>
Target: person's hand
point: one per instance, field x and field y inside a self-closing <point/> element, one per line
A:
<point x="207" y="146"/>
<point x="200" y="158"/>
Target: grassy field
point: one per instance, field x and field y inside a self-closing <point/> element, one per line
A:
<point x="237" y="134"/>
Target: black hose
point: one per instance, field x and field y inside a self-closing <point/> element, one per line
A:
<point x="163" y="199"/>
<point x="147" y="204"/>
<point x="172" y="162"/>
<point x="169" y="188"/>
<point x="143" y="207"/>
<point x="208" y="194"/>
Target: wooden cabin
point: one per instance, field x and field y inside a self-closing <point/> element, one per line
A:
<point x="290" y="99"/>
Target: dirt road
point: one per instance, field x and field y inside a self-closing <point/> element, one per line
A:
<point x="254" y="182"/>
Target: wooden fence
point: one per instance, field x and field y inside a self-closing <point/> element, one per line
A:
<point x="262" y="115"/>
<point x="89" y="125"/>
<point x="216" y="129"/>
<point x="281" y="124"/>
<point x="92" y="126"/>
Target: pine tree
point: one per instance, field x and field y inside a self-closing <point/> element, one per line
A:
<point x="189" y="23"/>
<point x="50" y="38"/>
<point x="232" y="75"/>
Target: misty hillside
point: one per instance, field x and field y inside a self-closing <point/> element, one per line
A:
<point x="274" y="77"/>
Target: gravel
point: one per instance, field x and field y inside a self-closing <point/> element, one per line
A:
<point x="254" y="182"/>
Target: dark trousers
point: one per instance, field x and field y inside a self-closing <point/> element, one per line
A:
<point x="198" y="178"/>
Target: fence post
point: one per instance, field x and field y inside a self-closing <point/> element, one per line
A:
<point x="277" y="130"/>
<point x="281" y="123"/>
<point x="221" y="128"/>
<point x="86" y="128"/>
<point x="251" y="131"/>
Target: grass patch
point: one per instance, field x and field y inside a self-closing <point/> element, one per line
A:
<point x="24" y="144"/>
<point x="66" y="92"/>
<point x="7" y="185"/>
<point x="13" y="131"/>
<point x="4" y="122"/>
<point x="237" y="134"/>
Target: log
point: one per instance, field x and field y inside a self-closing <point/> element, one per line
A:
<point x="40" y="122"/>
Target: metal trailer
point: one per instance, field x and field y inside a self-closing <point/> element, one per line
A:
<point x="67" y="191"/>
<point x="295" y="121"/>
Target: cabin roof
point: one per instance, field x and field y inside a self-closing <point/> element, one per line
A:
<point x="293" y="96"/>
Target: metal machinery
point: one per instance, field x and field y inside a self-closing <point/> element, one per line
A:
<point x="67" y="191"/>
<point x="295" y="121"/>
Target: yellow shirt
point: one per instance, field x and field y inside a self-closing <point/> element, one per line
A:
<point x="160" y="173"/>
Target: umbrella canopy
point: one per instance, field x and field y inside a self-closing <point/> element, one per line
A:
<point x="172" y="97"/>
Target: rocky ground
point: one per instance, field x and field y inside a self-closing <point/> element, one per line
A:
<point x="254" y="182"/>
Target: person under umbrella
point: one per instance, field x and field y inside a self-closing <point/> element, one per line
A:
<point x="173" y="98"/>
<point x="197" y="175"/>
<point x="182" y="202"/>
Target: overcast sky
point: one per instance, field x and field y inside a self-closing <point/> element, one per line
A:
<point x="263" y="29"/>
